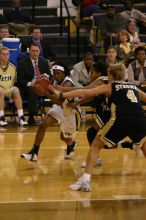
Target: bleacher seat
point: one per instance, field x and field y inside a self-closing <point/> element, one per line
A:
<point x="142" y="38"/>
<point x="24" y="38"/>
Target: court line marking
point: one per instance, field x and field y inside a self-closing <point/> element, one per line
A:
<point x="50" y="132"/>
<point x="71" y="200"/>
<point x="23" y="147"/>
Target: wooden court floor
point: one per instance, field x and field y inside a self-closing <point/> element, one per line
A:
<point x="40" y="190"/>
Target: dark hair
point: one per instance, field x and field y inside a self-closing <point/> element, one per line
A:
<point x="110" y="6"/>
<point x="66" y="68"/>
<point x="35" y="27"/>
<point x="140" y="48"/>
<point x="88" y="54"/>
<point x="125" y="2"/>
<point x="34" y="44"/>
<point x="100" y="66"/>
<point x="111" y="47"/>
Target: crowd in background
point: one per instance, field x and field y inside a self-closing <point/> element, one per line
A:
<point x="120" y="33"/>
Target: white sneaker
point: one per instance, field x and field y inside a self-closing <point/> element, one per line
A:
<point x="99" y="163"/>
<point x="82" y="185"/>
<point x="138" y="151"/>
<point x="3" y="122"/>
<point x="30" y="156"/>
<point x="22" y="121"/>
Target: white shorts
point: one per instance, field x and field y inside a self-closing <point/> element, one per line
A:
<point x="69" y="121"/>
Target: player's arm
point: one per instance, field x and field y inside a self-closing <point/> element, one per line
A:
<point x="103" y="89"/>
<point x="82" y="101"/>
<point x="142" y="95"/>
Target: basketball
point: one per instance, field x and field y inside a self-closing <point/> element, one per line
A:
<point x="44" y="82"/>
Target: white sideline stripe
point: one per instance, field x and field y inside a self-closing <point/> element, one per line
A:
<point x="30" y="200"/>
<point x="18" y="148"/>
<point x="50" y="132"/>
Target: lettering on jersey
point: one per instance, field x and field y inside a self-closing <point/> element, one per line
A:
<point x="118" y="87"/>
<point x="5" y="78"/>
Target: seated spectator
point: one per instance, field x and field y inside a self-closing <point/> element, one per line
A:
<point x="124" y="47"/>
<point x="7" y="88"/>
<point x="4" y="32"/>
<point x="111" y="56"/>
<point x="137" y="69"/>
<point x="110" y="25"/>
<point x="90" y="7"/>
<point x="28" y="68"/>
<point x="131" y="12"/>
<point x="133" y="32"/>
<point x="45" y="48"/>
<point x="17" y="18"/>
<point x="81" y="71"/>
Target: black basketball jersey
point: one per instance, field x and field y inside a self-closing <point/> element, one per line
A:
<point x="100" y="103"/>
<point x="125" y="100"/>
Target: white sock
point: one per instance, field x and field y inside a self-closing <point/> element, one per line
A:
<point x="1" y="113"/>
<point x="86" y="176"/>
<point x="20" y="113"/>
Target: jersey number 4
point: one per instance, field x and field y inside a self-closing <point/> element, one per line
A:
<point x="131" y="96"/>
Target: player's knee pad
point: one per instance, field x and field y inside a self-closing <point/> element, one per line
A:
<point x="91" y="134"/>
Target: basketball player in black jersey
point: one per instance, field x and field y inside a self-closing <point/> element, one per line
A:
<point x="127" y="119"/>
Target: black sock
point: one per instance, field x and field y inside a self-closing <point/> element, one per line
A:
<point x="35" y="149"/>
<point x="70" y="145"/>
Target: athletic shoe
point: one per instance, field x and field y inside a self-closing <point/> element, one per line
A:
<point x="126" y="144"/>
<point x="30" y="156"/>
<point x="22" y="121"/>
<point x="138" y="151"/>
<point x="99" y="163"/>
<point x="81" y="185"/>
<point x="3" y="122"/>
<point x="70" y="150"/>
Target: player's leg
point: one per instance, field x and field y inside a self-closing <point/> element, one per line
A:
<point x="3" y="121"/>
<point x="71" y="146"/>
<point x="143" y="148"/>
<point x="15" y="95"/>
<point x="91" y="134"/>
<point x="32" y="155"/>
<point x="84" y="181"/>
<point x="106" y="136"/>
<point x="70" y="123"/>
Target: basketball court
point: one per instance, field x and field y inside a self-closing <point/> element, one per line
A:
<point x="40" y="190"/>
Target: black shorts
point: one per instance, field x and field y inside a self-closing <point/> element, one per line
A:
<point x="102" y="117"/>
<point x="115" y="131"/>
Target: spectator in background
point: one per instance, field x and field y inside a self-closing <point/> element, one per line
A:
<point x="7" y="89"/>
<point x="4" y="32"/>
<point x="111" y="56"/>
<point x="45" y="48"/>
<point x="131" y="12"/>
<point x="26" y="75"/>
<point x="110" y="25"/>
<point x="124" y="48"/>
<point x="133" y="32"/>
<point x="17" y="19"/>
<point x="90" y="7"/>
<point x="137" y="69"/>
<point x="81" y="71"/>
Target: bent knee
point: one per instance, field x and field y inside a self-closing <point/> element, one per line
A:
<point x="15" y="90"/>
